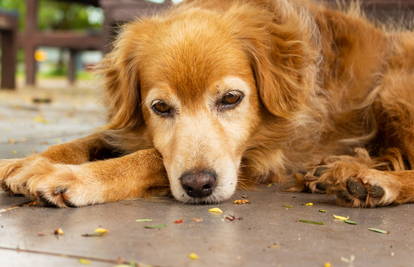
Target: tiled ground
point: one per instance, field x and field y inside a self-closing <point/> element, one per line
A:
<point x="267" y="235"/>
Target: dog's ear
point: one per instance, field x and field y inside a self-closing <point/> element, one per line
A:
<point x="120" y="71"/>
<point x="281" y="59"/>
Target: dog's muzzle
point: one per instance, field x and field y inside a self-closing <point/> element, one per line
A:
<point x="198" y="184"/>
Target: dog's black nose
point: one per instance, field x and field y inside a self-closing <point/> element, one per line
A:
<point x="198" y="183"/>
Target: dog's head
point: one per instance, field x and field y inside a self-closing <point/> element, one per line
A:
<point x="196" y="84"/>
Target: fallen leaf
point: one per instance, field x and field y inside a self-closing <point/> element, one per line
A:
<point x="309" y="204"/>
<point x="327" y="264"/>
<point x="179" y="221"/>
<point x="40" y="234"/>
<point x="341" y="217"/>
<point x="197" y="220"/>
<point x="98" y="232"/>
<point x="57" y="140"/>
<point x="144" y="220"/>
<point x="84" y="261"/>
<point x="288" y="206"/>
<point x="58" y="231"/>
<point x="350" y="260"/>
<point x="44" y="143"/>
<point x="269" y="185"/>
<point x="155" y="226"/>
<point x="101" y="230"/>
<point x="215" y="210"/>
<point x="193" y="256"/>
<point x="40" y="120"/>
<point x="377" y="230"/>
<point x="11" y="141"/>
<point x="323" y="211"/>
<point x="14" y="152"/>
<point x="240" y="201"/>
<point x="312" y="222"/>
<point x="350" y="222"/>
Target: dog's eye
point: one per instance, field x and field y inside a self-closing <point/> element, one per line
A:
<point x="162" y="108"/>
<point x="231" y="99"/>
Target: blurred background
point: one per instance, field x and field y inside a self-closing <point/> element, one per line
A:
<point x="58" y="39"/>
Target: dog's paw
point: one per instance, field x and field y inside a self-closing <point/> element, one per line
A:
<point x="352" y="181"/>
<point x="49" y="184"/>
<point x="9" y="168"/>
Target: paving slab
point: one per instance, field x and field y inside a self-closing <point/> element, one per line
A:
<point x="267" y="235"/>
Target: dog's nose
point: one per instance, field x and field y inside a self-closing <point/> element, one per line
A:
<point x="198" y="183"/>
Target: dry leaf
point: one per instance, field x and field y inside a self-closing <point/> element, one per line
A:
<point x="58" y="231"/>
<point x="341" y="217"/>
<point x="193" y="256"/>
<point x="101" y="230"/>
<point x="240" y="201"/>
<point x="215" y="210"/>
<point x="84" y="261"/>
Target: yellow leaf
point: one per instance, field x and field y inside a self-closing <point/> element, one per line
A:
<point x="240" y="201"/>
<point x="14" y="152"/>
<point x="341" y="218"/>
<point x="58" y="231"/>
<point x="57" y="140"/>
<point x="11" y="141"/>
<point x="309" y="204"/>
<point x="215" y="210"/>
<point x="84" y="261"/>
<point x="327" y="264"/>
<point x="6" y="129"/>
<point x="40" y="120"/>
<point x="193" y="256"/>
<point x="101" y="230"/>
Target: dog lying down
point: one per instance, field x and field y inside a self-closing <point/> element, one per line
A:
<point x="216" y="95"/>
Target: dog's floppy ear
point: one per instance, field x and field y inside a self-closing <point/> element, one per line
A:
<point x="280" y="58"/>
<point x="120" y="70"/>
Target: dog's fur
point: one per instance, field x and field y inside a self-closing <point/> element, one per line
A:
<point x="312" y="84"/>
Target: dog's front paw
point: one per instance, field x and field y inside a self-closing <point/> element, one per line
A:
<point x="9" y="168"/>
<point x="50" y="184"/>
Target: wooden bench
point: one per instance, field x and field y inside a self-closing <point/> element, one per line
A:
<point x="8" y="33"/>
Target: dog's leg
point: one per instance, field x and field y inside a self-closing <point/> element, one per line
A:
<point x="132" y="176"/>
<point x="75" y="152"/>
<point x="361" y="181"/>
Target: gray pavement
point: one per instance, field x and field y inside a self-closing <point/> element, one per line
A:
<point x="268" y="234"/>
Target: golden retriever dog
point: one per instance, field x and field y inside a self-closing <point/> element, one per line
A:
<point x="216" y="95"/>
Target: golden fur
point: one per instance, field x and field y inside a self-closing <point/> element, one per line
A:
<point x="312" y="83"/>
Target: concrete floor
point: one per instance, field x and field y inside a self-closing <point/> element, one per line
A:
<point x="267" y="235"/>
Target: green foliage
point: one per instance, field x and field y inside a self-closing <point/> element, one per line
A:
<point x="56" y="15"/>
